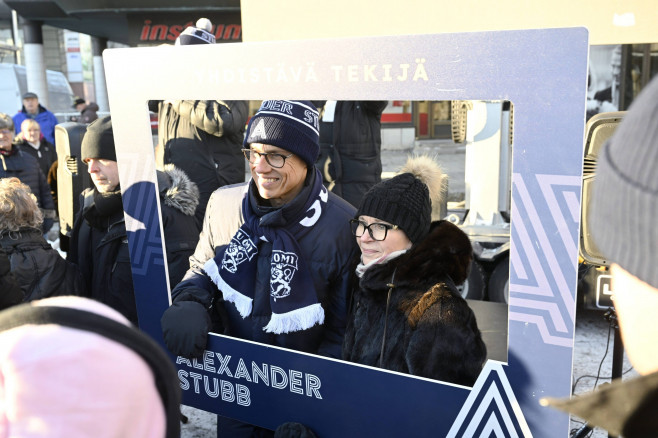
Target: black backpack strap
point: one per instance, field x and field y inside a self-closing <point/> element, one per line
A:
<point x="165" y="374"/>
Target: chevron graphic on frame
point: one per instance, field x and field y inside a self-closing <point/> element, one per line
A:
<point x="540" y="288"/>
<point x="140" y="204"/>
<point x="491" y="408"/>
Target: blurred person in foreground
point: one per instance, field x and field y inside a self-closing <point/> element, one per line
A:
<point x="20" y="164"/>
<point x="624" y="212"/>
<point x="202" y="137"/>
<point x="99" y="243"/>
<point x="39" y="269"/>
<point x="273" y="262"/>
<point x="407" y="314"/>
<point x="75" y="368"/>
<point x="32" y="109"/>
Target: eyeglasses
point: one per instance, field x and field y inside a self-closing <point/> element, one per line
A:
<point x="6" y="132"/>
<point x="377" y="230"/>
<point x="273" y="159"/>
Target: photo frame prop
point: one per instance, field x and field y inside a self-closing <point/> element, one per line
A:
<point x="543" y="72"/>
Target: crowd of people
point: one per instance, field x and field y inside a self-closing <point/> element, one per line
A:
<point x="313" y="253"/>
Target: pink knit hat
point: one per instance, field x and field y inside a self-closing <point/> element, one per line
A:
<point x="58" y="381"/>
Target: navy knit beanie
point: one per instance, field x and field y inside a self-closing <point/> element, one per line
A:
<point x="289" y="124"/>
<point x="624" y="204"/>
<point x="98" y="141"/>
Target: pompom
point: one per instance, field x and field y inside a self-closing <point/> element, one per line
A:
<point x="204" y="23"/>
<point x="426" y="169"/>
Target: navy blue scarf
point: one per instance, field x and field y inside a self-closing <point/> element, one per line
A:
<point x="293" y="297"/>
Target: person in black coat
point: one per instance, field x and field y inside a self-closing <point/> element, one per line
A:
<point x="20" y="164"/>
<point x="39" y="269"/>
<point x="351" y="146"/>
<point x="99" y="243"/>
<point x="406" y="312"/>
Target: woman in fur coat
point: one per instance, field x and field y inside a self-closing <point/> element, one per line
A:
<point x="406" y="314"/>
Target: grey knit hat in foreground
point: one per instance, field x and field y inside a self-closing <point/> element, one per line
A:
<point x="406" y="199"/>
<point x="624" y="205"/>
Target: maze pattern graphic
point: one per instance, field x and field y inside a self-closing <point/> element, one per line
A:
<point x="541" y="283"/>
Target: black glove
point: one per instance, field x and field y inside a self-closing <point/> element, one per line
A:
<point x="293" y="430"/>
<point x="185" y="326"/>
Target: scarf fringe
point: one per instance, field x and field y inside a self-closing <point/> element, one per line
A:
<point x="242" y="302"/>
<point x="295" y="320"/>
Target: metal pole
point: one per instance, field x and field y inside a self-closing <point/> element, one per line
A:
<point x="14" y="35"/>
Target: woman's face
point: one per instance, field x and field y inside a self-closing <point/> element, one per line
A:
<point x="372" y="249"/>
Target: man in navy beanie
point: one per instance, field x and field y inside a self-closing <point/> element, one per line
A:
<point x="624" y="211"/>
<point x="274" y="256"/>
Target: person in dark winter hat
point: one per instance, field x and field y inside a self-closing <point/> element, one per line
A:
<point x="623" y="212"/>
<point x="198" y="34"/>
<point x="407" y="314"/>
<point x="203" y="138"/>
<point x="274" y="257"/>
<point x="72" y="367"/>
<point x="99" y="243"/>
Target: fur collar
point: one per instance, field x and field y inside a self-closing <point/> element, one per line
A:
<point x="178" y="190"/>
<point x="446" y="251"/>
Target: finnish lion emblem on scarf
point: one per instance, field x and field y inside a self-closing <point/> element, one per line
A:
<point x="240" y="249"/>
<point x="284" y="266"/>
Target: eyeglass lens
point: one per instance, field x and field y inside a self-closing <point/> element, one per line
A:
<point x="273" y="159"/>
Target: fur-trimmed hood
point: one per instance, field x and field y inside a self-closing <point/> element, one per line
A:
<point x="177" y="190"/>
<point x="445" y="251"/>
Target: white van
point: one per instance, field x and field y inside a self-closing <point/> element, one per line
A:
<point x="13" y="85"/>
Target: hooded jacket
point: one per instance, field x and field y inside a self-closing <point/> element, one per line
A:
<point x="204" y="139"/>
<point x="421" y="325"/>
<point x="99" y="243"/>
<point x="44" y="118"/>
<point x="39" y="269"/>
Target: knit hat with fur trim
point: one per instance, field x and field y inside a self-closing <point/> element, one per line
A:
<point x="199" y="34"/>
<point x="98" y="141"/>
<point x="406" y="199"/>
<point x="624" y="204"/>
<point x="289" y="124"/>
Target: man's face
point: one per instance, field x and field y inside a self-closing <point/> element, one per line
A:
<point x="32" y="133"/>
<point x="278" y="185"/>
<point x="80" y="106"/>
<point x="104" y="174"/>
<point x="615" y="63"/>
<point x="31" y="105"/>
<point x="5" y="138"/>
